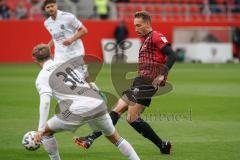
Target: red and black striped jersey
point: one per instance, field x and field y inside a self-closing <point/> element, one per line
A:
<point x="151" y="59"/>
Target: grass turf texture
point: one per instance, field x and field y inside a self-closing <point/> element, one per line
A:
<point x="211" y="92"/>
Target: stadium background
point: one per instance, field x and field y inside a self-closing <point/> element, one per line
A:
<point x="205" y="96"/>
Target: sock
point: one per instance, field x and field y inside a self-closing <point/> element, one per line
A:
<point x="50" y="145"/>
<point x="126" y="149"/>
<point x="145" y="129"/>
<point x="114" y="116"/>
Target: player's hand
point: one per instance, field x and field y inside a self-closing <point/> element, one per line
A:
<point x="158" y="81"/>
<point x="38" y="137"/>
<point x="68" y="41"/>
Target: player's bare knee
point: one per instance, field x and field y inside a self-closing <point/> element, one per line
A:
<point x="132" y="118"/>
<point x="119" y="112"/>
<point x="129" y="120"/>
<point x="120" y="107"/>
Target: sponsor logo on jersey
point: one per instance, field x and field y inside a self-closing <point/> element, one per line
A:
<point x="59" y="36"/>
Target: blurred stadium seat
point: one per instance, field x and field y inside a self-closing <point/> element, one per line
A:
<point x="183" y="10"/>
<point x="164" y="10"/>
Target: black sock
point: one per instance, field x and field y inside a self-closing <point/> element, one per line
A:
<point x="95" y="135"/>
<point x="145" y="129"/>
<point x="114" y="116"/>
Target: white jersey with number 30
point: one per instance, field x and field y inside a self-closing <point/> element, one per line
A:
<point x="83" y="105"/>
<point x="63" y="27"/>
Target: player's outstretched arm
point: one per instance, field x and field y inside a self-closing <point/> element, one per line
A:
<point x="43" y="111"/>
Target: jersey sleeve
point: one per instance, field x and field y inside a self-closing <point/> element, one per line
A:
<point x="43" y="111"/>
<point x="160" y="41"/>
<point x="43" y="87"/>
<point x="74" y="22"/>
<point x="45" y="93"/>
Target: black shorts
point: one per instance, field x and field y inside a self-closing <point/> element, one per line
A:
<point x="141" y="91"/>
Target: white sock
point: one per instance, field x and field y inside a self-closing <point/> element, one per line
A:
<point x="50" y="145"/>
<point x="127" y="150"/>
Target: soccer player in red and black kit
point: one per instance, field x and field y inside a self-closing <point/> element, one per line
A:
<point x="154" y="53"/>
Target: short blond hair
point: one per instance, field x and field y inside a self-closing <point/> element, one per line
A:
<point x="144" y="15"/>
<point x="41" y="52"/>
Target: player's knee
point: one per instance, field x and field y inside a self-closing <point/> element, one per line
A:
<point x="131" y="119"/>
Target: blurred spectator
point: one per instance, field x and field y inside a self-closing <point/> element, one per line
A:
<point x="5" y="11"/>
<point x="214" y="7"/>
<point x="120" y="34"/>
<point x="35" y="1"/>
<point x="21" y="10"/>
<point x="36" y="12"/>
<point x="210" y="38"/>
<point x="226" y="7"/>
<point x="236" y="8"/>
<point x="236" y="42"/>
<point x="206" y="8"/>
<point x="102" y="9"/>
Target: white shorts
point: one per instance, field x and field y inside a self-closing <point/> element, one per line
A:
<point x="102" y="123"/>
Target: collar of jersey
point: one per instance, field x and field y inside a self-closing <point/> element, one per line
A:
<point x="145" y="37"/>
<point x="58" y="13"/>
<point x="47" y="63"/>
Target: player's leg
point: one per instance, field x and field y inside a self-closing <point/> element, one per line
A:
<point x="105" y="124"/>
<point x="50" y="144"/>
<point x="142" y="127"/>
<point x="123" y="145"/>
<point x="119" y="108"/>
<point x="139" y="96"/>
<point x="55" y="125"/>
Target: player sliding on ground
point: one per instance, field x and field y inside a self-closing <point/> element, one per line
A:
<point x="156" y="58"/>
<point x="78" y="104"/>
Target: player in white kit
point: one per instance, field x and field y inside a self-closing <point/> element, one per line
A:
<point x="66" y="31"/>
<point x="78" y="104"/>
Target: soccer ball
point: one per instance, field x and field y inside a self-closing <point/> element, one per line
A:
<point x="28" y="141"/>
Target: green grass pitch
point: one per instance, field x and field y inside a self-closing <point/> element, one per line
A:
<point x="205" y="102"/>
